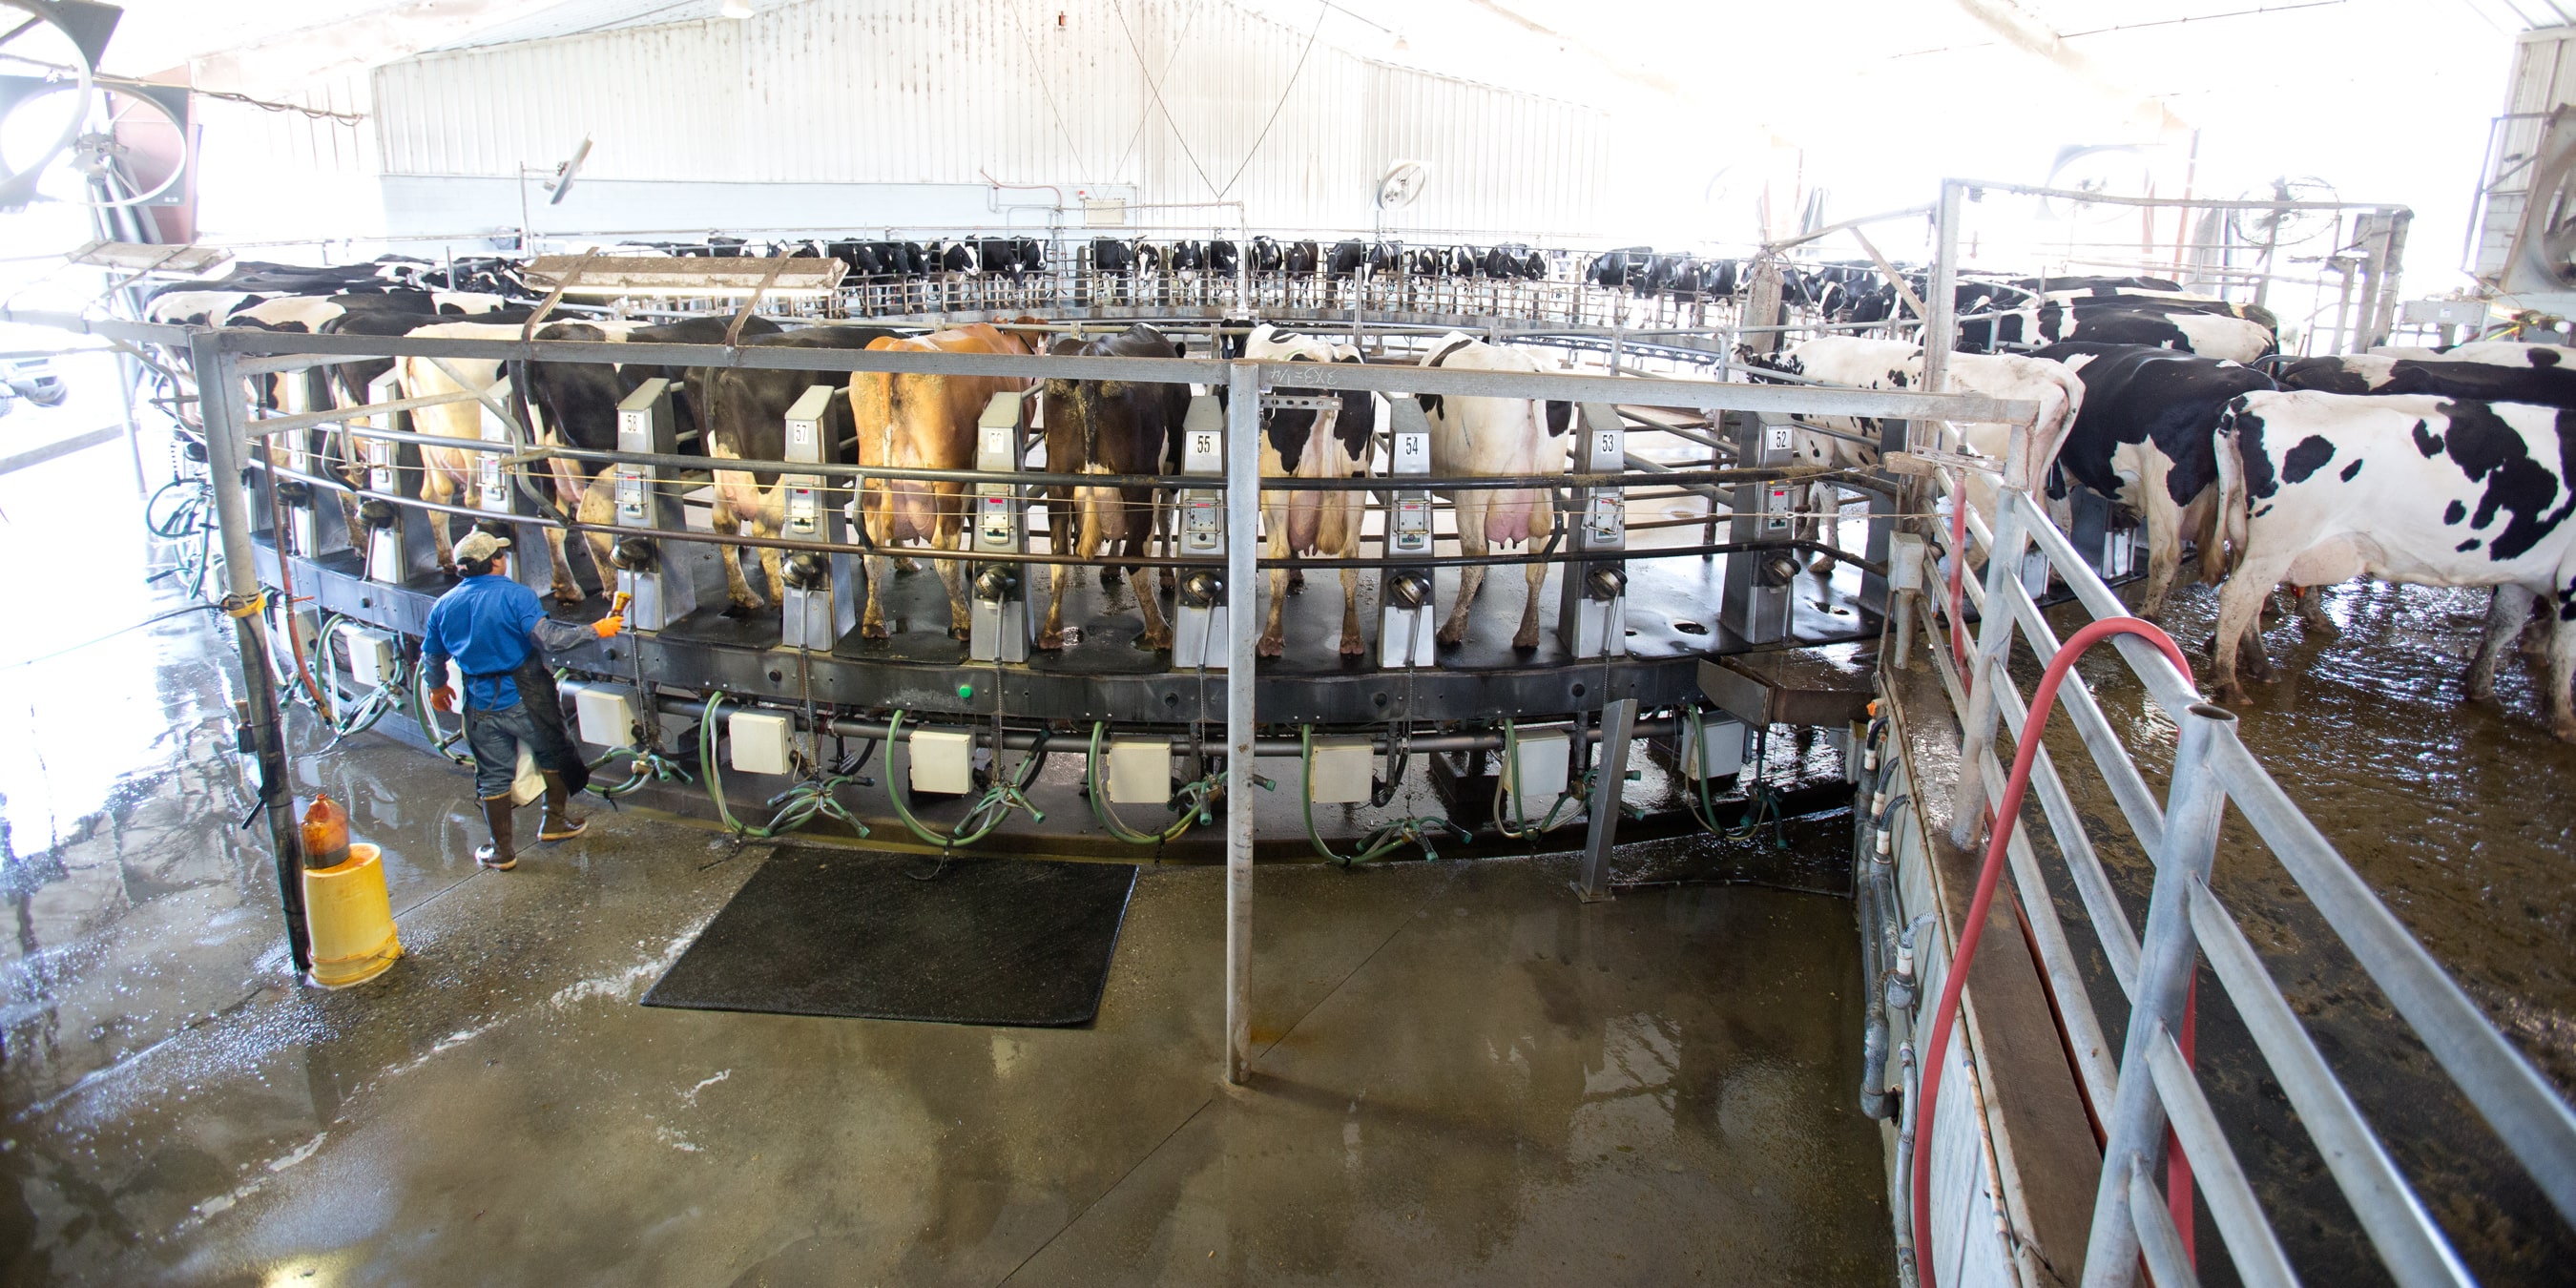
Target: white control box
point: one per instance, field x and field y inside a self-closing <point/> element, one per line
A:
<point x="606" y="715"/>
<point x="1342" y="770"/>
<point x="371" y="653"/>
<point x="1140" y="771"/>
<point x="1537" y="772"/>
<point x="942" y="761"/>
<point x="761" y="741"/>
<point x="1719" y="750"/>
<point x="1905" y="562"/>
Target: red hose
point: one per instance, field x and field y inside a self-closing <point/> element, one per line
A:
<point x="2042" y="700"/>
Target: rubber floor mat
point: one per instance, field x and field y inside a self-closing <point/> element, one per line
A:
<point x="832" y="932"/>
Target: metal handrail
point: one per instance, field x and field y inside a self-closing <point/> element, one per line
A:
<point x="2150" y="1086"/>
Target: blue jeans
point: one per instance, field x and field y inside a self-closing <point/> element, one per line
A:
<point x="495" y="737"/>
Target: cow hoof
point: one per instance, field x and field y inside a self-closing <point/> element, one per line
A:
<point x="873" y="631"/>
<point x="739" y="609"/>
<point x="2233" y="694"/>
<point x="1109" y="577"/>
<point x="1447" y="638"/>
<point x="1527" y="643"/>
<point x="1353" y="647"/>
<point x="1821" y="565"/>
<point x="1156" y="641"/>
<point x="961" y="633"/>
<point x="1051" y="642"/>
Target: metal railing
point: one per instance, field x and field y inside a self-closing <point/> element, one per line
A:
<point x="2149" y="1085"/>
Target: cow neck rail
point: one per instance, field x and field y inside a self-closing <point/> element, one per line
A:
<point x="2137" y="1090"/>
<point x="1711" y="395"/>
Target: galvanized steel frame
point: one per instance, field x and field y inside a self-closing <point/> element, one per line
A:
<point x="2149" y="1086"/>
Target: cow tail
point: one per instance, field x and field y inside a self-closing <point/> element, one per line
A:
<point x="2234" y="503"/>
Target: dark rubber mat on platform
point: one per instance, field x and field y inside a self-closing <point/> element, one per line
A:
<point x="832" y="932"/>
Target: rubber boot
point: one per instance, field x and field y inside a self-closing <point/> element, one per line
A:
<point x="560" y="824"/>
<point x="501" y="855"/>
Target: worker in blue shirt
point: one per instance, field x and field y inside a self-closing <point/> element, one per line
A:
<point x="491" y="626"/>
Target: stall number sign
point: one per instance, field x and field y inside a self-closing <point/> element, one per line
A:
<point x="1412" y="454"/>
<point x="1202" y="458"/>
<point x="1775" y="438"/>
<point x="800" y="433"/>
<point x="1606" y="452"/>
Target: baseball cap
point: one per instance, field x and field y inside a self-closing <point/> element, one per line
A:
<point x="479" y="545"/>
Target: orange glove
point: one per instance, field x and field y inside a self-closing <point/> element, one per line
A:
<point x="443" y="698"/>
<point x="608" y="627"/>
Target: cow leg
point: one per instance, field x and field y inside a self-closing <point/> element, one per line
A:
<point x="951" y="535"/>
<point x="2164" y="555"/>
<point x="569" y="489"/>
<point x="2312" y="610"/>
<point x="1826" y="500"/>
<point x="773" y="563"/>
<point x="1136" y="536"/>
<point x="1352" y="644"/>
<point x="2562" y="668"/>
<point x="1274" y="631"/>
<point x="598" y="506"/>
<point x="1545" y="523"/>
<point x="872" y="619"/>
<point x="2506" y="615"/>
<point x="1471" y="577"/>
<point x="1051" y="634"/>
<point x="876" y="519"/>
<point x="437" y="486"/>
<point x="2240" y="608"/>
<point x="737" y="587"/>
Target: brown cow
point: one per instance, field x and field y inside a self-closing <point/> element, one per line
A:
<point x="924" y="422"/>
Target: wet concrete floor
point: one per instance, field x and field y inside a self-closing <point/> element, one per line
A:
<point x="1464" y="1075"/>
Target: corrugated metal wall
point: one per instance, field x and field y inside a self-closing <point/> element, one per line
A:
<point x="1188" y="101"/>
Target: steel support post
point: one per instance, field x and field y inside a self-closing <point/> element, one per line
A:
<point x="1618" y="725"/>
<point x="1883" y="509"/>
<point x="1941" y="328"/>
<point x="220" y="405"/>
<point x="1994" y="639"/>
<point x="128" y="371"/>
<point x="2167" y="957"/>
<point x="1243" y="525"/>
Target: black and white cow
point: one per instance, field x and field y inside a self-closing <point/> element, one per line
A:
<point x="2179" y="325"/>
<point x="2147" y="434"/>
<point x="2320" y="488"/>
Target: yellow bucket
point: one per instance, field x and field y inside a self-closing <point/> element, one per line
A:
<point x="351" y="919"/>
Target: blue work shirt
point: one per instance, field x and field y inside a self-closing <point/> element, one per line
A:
<point x="485" y="624"/>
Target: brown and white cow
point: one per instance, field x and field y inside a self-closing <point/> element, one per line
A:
<point x="920" y="421"/>
<point x="1108" y="427"/>
<point x="746" y="420"/>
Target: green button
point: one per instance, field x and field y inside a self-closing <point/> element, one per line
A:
<point x="965" y="691"/>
